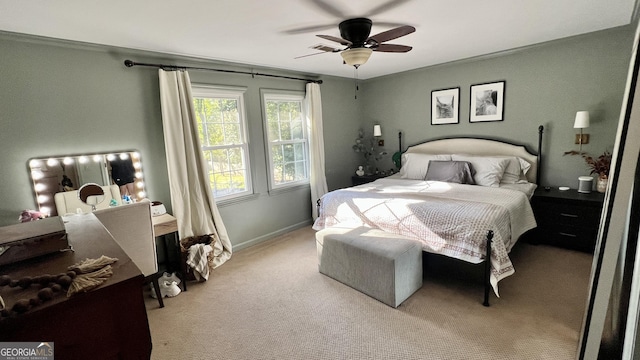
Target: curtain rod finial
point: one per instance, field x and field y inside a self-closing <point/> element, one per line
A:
<point x="128" y="63"/>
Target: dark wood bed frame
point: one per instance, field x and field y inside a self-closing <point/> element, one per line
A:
<point x="489" y="237"/>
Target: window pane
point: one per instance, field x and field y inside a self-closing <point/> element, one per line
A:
<point x="220" y="122"/>
<point x="297" y="132"/>
<point x="289" y="172"/>
<point x="231" y="134"/>
<point x="301" y="170"/>
<point x="289" y="155"/>
<point x="286" y="131"/>
<point x="299" y="151"/>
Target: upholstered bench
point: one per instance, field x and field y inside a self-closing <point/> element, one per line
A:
<point x="384" y="266"/>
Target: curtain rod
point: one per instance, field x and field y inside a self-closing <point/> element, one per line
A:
<point x="130" y="63"/>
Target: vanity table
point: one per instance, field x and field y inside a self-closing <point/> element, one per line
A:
<point x="108" y="322"/>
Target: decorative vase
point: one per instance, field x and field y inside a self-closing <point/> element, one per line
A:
<point x="602" y="182"/>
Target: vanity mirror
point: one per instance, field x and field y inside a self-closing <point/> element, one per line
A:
<point x="91" y="194"/>
<point x="51" y="175"/>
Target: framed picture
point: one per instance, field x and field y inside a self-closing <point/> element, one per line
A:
<point x="445" y="104"/>
<point x="487" y="102"/>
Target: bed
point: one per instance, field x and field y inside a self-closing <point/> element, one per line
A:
<point x="465" y="198"/>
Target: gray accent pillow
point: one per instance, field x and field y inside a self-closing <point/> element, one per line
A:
<point x="460" y="172"/>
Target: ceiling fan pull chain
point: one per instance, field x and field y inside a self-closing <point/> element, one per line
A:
<point x="355" y="78"/>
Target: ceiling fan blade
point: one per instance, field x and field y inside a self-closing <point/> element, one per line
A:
<point x="390" y="24"/>
<point x="303" y="56"/>
<point x="385" y="7"/>
<point x="328" y="8"/>
<point x="340" y="41"/>
<point x="308" y="29"/>
<point x="391" y="34"/>
<point x="392" y="48"/>
<point x="325" y="48"/>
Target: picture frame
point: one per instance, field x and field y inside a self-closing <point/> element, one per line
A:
<point x="487" y="102"/>
<point x="445" y="106"/>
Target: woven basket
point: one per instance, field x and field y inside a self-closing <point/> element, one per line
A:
<point x="186" y="243"/>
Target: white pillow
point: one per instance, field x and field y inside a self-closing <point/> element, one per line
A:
<point x="489" y="170"/>
<point x="514" y="172"/>
<point x="414" y="165"/>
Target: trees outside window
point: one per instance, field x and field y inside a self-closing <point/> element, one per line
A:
<point x="287" y="139"/>
<point x="221" y="124"/>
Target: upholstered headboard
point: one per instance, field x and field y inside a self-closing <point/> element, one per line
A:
<point x="487" y="147"/>
<point x="477" y="147"/>
<point x="68" y="202"/>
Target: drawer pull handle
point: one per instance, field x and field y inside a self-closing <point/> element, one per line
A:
<point x="568" y="215"/>
<point x="569" y="235"/>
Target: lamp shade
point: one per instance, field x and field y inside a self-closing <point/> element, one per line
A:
<point x="377" y="131"/>
<point x="582" y="120"/>
<point x="356" y="57"/>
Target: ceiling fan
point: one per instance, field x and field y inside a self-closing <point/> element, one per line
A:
<point x="359" y="45"/>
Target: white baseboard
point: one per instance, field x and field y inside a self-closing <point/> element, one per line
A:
<point x="271" y="235"/>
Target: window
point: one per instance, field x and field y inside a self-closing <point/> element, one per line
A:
<point x="287" y="139"/>
<point x="221" y="124"/>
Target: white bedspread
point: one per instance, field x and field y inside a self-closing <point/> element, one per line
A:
<point x="449" y="219"/>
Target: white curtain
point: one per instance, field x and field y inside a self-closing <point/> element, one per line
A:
<point x="318" y="181"/>
<point x="191" y="197"/>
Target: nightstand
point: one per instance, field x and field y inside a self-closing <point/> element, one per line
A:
<point x="567" y="218"/>
<point x="359" y="180"/>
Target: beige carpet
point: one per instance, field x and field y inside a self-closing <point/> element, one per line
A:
<point x="270" y="302"/>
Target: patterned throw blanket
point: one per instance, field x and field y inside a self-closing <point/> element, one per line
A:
<point x="447" y="218"/>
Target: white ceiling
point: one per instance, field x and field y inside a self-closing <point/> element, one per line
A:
<point x="263" y="32"/>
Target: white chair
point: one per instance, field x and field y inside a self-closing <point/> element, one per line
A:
<point x="67" y="202"/>
<point x="132" y="228"/>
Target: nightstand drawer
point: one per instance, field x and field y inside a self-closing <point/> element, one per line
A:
<point x="570" y="215"/>
<point x="572" y="237"/>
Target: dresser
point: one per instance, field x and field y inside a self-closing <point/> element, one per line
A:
<point x="567" y="219"/>
<point x="109" y="322"/>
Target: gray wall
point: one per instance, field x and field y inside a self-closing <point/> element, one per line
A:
<point x="61" y="98"/>
<point x="545" y="85"/>
<point x="66" y="98"/>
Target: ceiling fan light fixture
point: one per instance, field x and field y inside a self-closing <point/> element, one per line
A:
<point x="356" y="57"/>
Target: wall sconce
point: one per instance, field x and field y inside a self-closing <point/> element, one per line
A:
<point x="377" y="132"/>
<point x="581" y="122"/>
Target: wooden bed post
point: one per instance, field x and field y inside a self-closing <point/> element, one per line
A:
<point x="487" y="269"/>
<point x="539" y="167"/>
<point x="400" y="146"/>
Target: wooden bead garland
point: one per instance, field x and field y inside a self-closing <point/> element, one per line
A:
<point x="80" y="277"/>
<point x="51" y="284"/>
